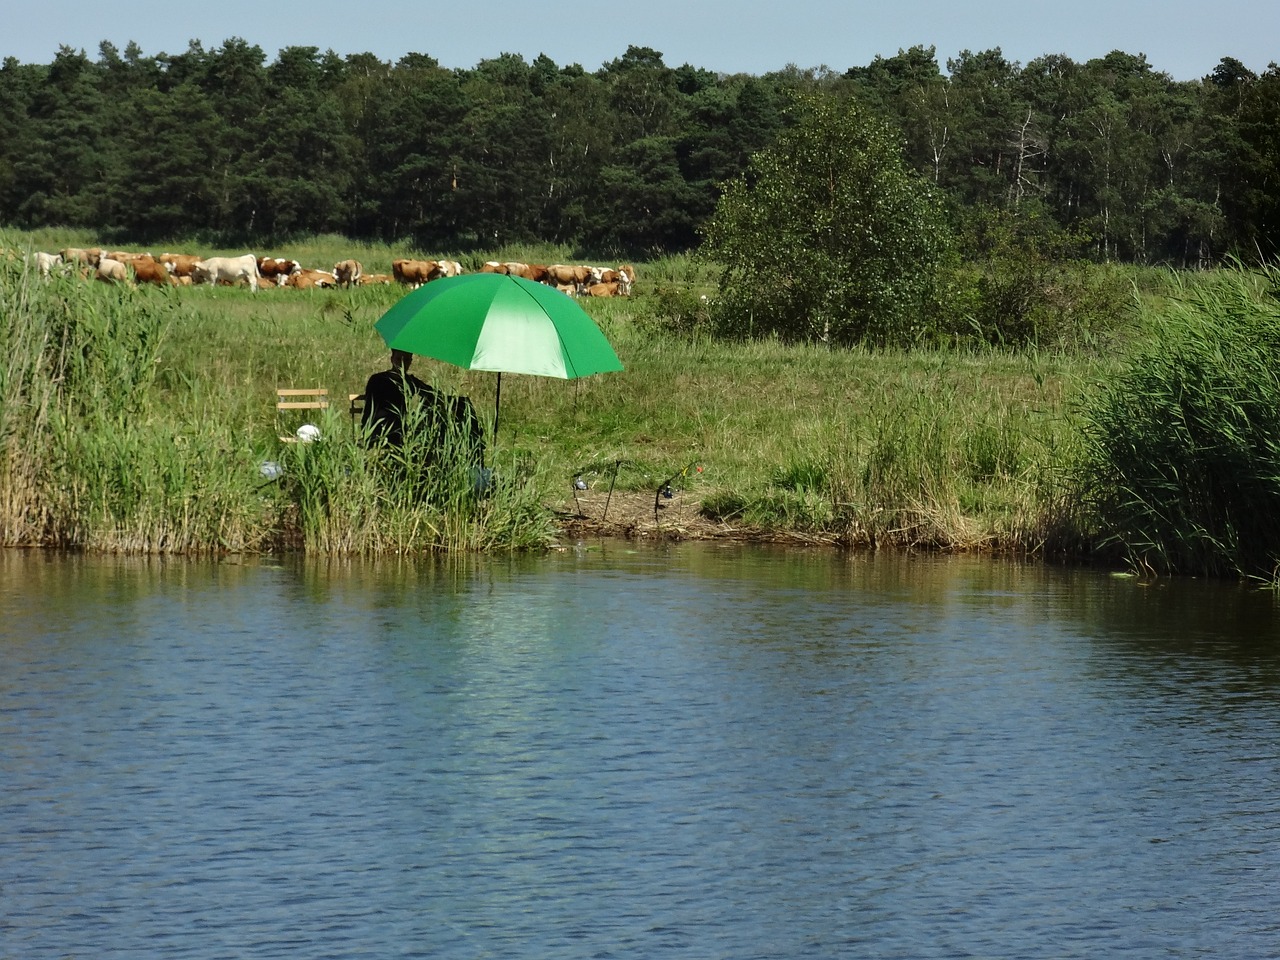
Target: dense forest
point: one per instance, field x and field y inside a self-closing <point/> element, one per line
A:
<point x="228" y="145"/>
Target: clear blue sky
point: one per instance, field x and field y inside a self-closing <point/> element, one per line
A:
<point x="1184" y="38"/>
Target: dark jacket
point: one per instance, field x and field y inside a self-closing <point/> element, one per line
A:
<point x="385" y="399"/>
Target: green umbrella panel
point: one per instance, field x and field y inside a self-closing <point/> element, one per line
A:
<point x="500" y="323"/>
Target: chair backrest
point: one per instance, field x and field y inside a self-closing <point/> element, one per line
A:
<point x="294" y="398"/>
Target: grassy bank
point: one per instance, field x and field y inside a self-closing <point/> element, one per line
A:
<point x="157" y="440"/>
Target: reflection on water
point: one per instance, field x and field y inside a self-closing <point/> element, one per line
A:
<point x="694" y="751"/>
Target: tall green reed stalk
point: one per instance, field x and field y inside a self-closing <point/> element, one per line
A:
<point x="1181" y="452"/>
<point x="28" y="373"/>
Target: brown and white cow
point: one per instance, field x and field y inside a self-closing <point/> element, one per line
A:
<point x="563" y="273"/>
<point x="146" y="269"/>
<point x="277" y="270"/>
<point x="309" y="279"/>
<point x="180" y="264"/>
<point x="415" y="272"/>
<point x="536" y="272"/>
<point x="347" y="272"/>
<point x="612" y="289"/>
<point x="124" y="256"/>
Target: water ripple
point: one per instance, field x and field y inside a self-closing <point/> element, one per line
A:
<point x="617" y="755"/>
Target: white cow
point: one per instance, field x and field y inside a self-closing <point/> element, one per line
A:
<point x="112" y="271"/>
<point x="227" y="269"/>
<point x="46" y="262"/>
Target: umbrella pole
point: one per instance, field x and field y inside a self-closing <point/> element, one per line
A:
<point x="497" y="406"/>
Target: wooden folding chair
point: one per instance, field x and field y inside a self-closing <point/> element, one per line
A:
<point x="292" y="399"/>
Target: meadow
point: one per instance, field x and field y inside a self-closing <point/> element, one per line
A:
<point x="140" y="420"/>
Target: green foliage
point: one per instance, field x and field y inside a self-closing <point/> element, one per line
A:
<point x="1026" y="284"/>
<point x="231" y="146"/>
<point x="1181" y="462"/>
<point x="829" y="237"/>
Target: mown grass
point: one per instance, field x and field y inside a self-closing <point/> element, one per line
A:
<point x="964" y="447"/>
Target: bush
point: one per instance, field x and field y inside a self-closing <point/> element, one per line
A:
<point x="828" y="237"/>
<point x="1025" y="284"/>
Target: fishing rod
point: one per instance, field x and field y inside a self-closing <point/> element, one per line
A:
<point x="664" y="489"/>
<point x="581" y="484"/>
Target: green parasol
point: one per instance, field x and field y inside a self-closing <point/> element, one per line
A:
<point x="501" y="323"/>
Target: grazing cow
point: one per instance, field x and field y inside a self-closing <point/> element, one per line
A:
<point x="46" y="262"/>
<point x="227" y="270"/>
<point x="179" y="264"/>
<point x="560" y="273"/>
<point x="77" y="255"/>
<point x="146" y="269"/>
<point x="514" y="268"/>
<point x="277" y="270"/>
<point x="112" y="271"/>
<point x="527" y="271"/>
<point x="450" y="268"/>
<point x="124" y="256"/>
<point x="415" y="272"/>
<point x="347" y="272"/>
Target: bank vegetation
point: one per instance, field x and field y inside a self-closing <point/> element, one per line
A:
<point x="143" y="420"/>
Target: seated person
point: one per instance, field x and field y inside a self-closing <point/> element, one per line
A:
<point x="386" y="399"/>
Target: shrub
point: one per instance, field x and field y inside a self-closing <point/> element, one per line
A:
<point x="829" y="237"/>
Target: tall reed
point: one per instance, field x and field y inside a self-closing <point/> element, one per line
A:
<point x="28" y="370"/>
<point x="349" y="493"/>
<point x="1181" y="458"/>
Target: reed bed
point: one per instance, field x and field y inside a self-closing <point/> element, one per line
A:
<point x="1180" y="459"/>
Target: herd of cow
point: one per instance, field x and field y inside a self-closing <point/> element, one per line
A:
<point x="175" y="269"/>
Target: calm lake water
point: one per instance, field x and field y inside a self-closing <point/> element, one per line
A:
<point x="697" y="752"/>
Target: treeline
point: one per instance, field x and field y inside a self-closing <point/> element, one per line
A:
<point x="228" y="146"/>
